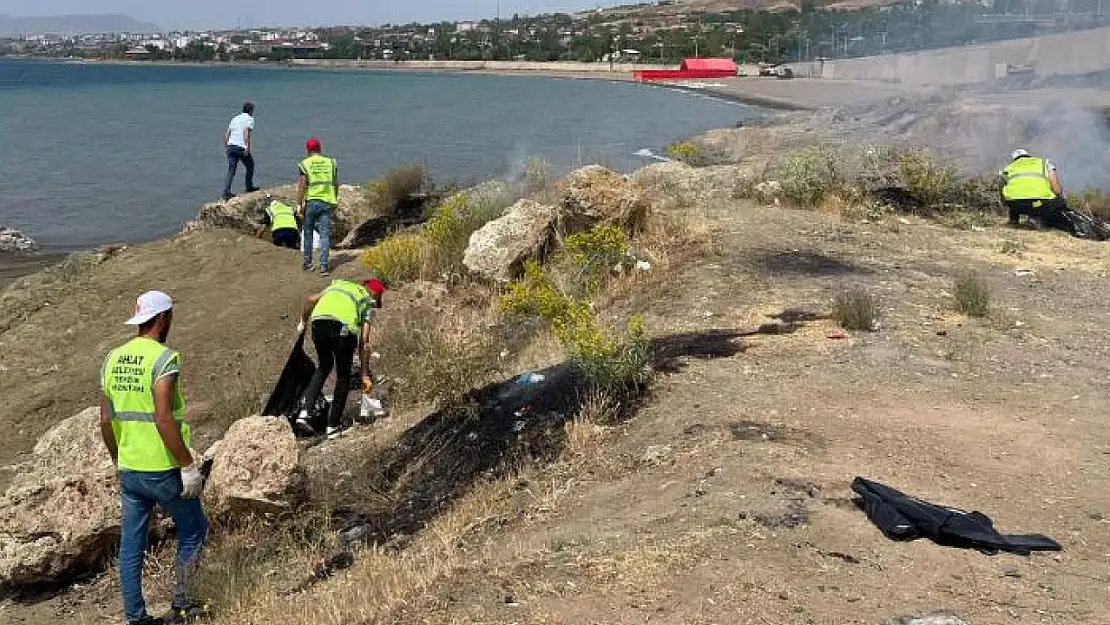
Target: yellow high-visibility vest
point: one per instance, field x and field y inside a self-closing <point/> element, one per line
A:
<point x="346" y="302"/>
<point x="319" y="172"/>
<point x="127" y="379"/>
<point x="1027" y="179"/>
<point x="281" y="216"/>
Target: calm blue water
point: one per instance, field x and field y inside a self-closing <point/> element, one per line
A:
<point x="93" y="154"/>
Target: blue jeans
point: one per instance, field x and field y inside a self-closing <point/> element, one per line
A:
<point x="317" y="216"/>
<point x="234" y="155"/>
<point x="139" y="492"/>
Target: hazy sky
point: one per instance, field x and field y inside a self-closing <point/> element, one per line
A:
<point x="248" y="13"/>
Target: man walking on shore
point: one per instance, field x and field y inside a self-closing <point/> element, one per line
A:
<point x="142" y="423"/>
<point x="317" y="197"/>
<point x="238" y="140"/>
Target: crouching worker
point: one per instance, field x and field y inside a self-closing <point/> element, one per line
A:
<point x="1031" y="187"/>
<point x="142" y="422"/>
<point x="282" y="220"/>
<point x="340" y="318"/>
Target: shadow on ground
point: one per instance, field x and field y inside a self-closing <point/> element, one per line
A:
<point x="803" y="263"/>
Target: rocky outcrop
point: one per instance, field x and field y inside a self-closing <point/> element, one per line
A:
<point x="678" y="186"/>
<point x="61" y="511"/>
<point x="498" y="250"/>
<point x="14" y="241"/>
<point x="245" y="212"/>
<point x="596" y="195"/>
<point x="256" y="468"/>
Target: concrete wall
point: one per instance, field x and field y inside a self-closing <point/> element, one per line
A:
<point x="499" y="66"/>
<point x="1066" y="53"/>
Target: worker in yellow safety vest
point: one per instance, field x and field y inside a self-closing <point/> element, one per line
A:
<point x="142" y="422"/>
<point x="1031" y="187"/>
<point x="317" y="197"/>
<point x="340" y="318"/>
<point x="282" y="221"/>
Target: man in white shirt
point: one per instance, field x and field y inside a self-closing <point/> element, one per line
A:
<point x="238" y="140"/>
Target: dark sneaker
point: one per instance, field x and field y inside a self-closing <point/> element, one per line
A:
<point x="324" y="271"/>
<point x="228" y="196"/>
<point x="302" y="427"/>
<point x="187" y="614"/>
<point x="253" y="189"/>
<point x="148" y="620"/>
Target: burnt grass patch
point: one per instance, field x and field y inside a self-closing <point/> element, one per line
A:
<point x="488" y="434"/>
<point x="750" y="431"/>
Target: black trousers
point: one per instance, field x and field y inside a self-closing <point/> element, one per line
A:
<point x="335" y="349"/>
<point x="1052" y="213"/>
<point x="286" y="237"/>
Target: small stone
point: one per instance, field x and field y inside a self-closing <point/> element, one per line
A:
<point x="785" y="596"/>
<point x="657" y="455"/>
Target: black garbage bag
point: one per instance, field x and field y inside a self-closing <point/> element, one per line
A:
<point x="902" y="517"/>
<point x="286" y="398"/>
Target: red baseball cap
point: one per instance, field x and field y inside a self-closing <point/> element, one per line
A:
<point x="312" y="145"/>
<point x="375" y="286"/>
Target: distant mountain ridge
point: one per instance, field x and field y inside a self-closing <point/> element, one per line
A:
<point x="13" y="25"/>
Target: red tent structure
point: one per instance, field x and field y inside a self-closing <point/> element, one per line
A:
<point x="691" y="69"/>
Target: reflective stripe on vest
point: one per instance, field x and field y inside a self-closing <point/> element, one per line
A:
<point x="127" y="380"/>
<point x="1027" y="179"/>
<point x="343" y="301"/>
<point x="281" y="216"/>
<point x="319" y="174"/>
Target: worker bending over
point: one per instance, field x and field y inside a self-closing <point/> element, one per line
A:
<point x="282" y="220"/>
<point x="340" y="318"/>
<point x="1031" y="187"/>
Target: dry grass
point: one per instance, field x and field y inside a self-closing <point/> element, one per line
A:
<point x="671" y="238"/>
<point x="856" y="309"/>
<point x="383" y="581"/>
<point x="385" y="194"/>
<point x="1092" y="202"/>
<point x="586" y="431"/>
<point x="432" y="361"/>
<point x="972" y="295"/>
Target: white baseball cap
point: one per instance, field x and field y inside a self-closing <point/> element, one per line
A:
<point x="148" y="306"/>
<point x="1018" y="153"/>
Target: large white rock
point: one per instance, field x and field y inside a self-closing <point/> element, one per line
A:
<point x="61" y="511"/>
<point x="256" y="468"/>
<point x="497" y="251"/>
<point x="245" y="212"/>
<point x="596" y="195"/>
<point x="12" y="240"/>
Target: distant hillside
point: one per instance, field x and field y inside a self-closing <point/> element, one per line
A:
<point x="680" y="7"/>
<point x="12" y="25"/>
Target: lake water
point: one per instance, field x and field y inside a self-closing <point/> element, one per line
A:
<point x="93" y="154"/>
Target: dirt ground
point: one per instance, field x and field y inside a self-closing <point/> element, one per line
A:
<point x="725" y="498"/>
<point x="237" y="301"/>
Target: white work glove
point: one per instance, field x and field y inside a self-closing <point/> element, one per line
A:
<point x="192" y="482"/>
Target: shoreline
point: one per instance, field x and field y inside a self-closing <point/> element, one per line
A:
<point x="728" y="92"/>
<point x="748" y="91"/>
<point x="16" y="266"/>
